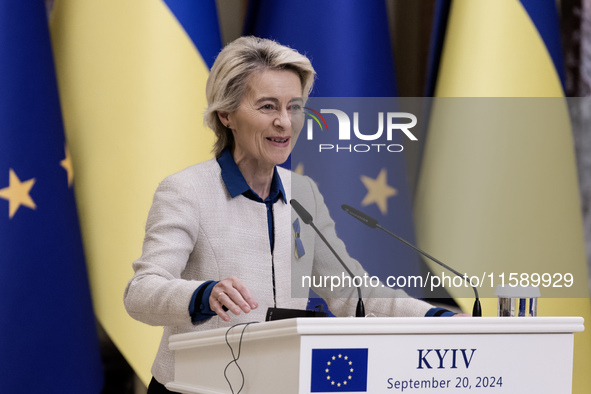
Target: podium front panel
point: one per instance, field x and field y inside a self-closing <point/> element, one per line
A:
<point x="381" y="355"/>
<point x="501" y="363"/>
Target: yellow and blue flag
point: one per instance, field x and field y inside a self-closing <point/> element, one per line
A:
<point x="505" y="48"/>
<point x="498" y="191"/>
<point x="48" y="338"/>
<point x="200" y="22"/>
<point x="349" y="46"/>
<point x="132" y="79"/>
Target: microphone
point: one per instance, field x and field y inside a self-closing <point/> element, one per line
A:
<point x="373" y="223"/>
<point x="307" y="219"/>
<point x="303" y="214"/>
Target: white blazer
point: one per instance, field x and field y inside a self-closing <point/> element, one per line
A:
<point x="196" y="232"/>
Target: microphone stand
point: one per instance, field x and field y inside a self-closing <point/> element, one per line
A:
<point x="371" y="222"/>
<point x="476" y="309"/>
<point x="307" y="219"/>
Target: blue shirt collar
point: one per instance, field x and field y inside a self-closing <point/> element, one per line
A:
<point x="236" y="184"/>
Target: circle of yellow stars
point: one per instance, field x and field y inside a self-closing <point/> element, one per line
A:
<point x="347" y="361"/>
<point x="18" y="193"/>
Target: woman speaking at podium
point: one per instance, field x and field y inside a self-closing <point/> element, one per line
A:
<point x="221" y="243"/>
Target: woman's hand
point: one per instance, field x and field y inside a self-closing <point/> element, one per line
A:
<point x="230" y="294"/>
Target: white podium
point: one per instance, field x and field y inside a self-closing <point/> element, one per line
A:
<point x="382" y="355"/>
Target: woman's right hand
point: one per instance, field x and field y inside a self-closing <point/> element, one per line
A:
<point x="231" y="295"/>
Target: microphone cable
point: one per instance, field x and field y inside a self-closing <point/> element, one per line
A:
<point x="236" y="357"/>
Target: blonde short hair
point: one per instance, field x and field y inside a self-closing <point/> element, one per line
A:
<point x="228" y="78"/>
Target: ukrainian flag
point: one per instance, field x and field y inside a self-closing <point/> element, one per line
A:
<point x="505" y="48"/>
<point x="494" y="195"/>
<point x="48" y="339"/>
<point x="132" y="79"/>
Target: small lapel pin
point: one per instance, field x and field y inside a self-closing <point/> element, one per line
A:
<point x="299" y="245"/>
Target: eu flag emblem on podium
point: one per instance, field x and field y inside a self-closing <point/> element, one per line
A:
<point x="339" y="370"/>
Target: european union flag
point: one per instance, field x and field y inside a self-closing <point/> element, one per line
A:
<point x="368" y="175"/>
<point x="48" y="339"/>
<point x="349" y="46"/>
<point x="348" y="42"/>
<point x="339" y="370"/>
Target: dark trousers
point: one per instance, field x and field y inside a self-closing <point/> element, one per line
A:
<point x="156" y="387"/>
